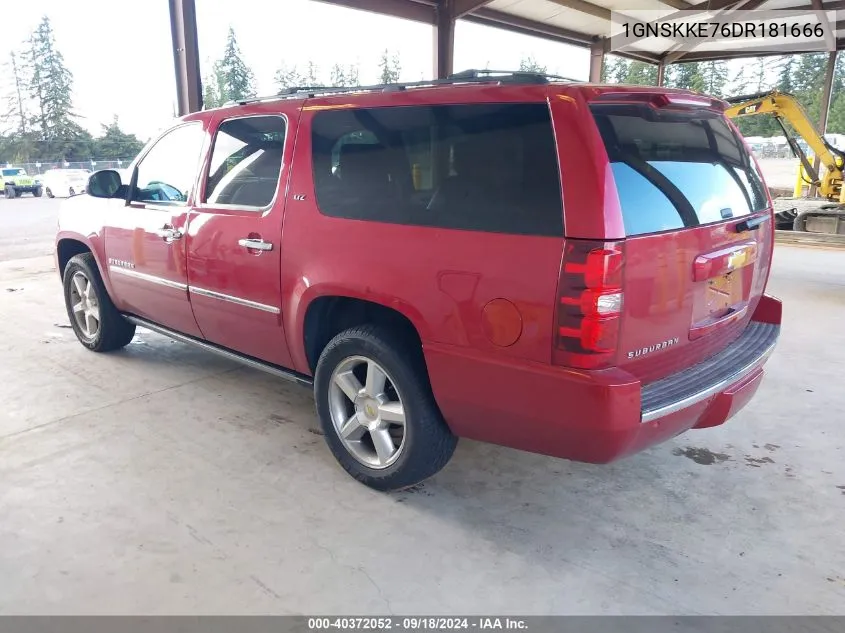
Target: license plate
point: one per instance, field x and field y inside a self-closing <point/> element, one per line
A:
<point x="722" y="293"/>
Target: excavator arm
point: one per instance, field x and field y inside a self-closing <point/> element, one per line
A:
<point x="786" y="107"/>
<point x="819" y="215"/>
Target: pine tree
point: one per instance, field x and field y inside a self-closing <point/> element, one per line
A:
<point x="337" y="76"/>
<point x="616" y="70"/>
<point x="235" y="81"/>
<point x="530" y="65"/>
<point x="760" y="74"/>
<point x="397" y="66"/>
<point x="16" y="113"/>
<point x="312" y="74"/>
<point x="50" y="85"/>
<point x="687" y="76"/>
<point x="786" y="71"/>
<point x="210" y="98"/>
<point x="389" y="68"/>
<point x="288" y="77"/>
<point x="715" y="77"/>
<point x="352" y="75"/>
<point x="641" y="74"/>
<point x="738" y="84"/>
<point x="115" y="143"/>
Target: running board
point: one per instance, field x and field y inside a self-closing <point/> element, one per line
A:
<point x="249" y="361"/>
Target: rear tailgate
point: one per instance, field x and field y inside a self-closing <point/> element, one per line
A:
<point x="698" y="229"/>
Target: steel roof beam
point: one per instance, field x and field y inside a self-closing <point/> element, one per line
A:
<point x="461" y="8"/>
<point x="405" y="9"/>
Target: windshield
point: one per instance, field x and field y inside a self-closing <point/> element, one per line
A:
<point x="14" y="172"/>
<point x="675" y="170"/>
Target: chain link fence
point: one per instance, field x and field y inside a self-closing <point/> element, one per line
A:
<point x="33" y="169"/>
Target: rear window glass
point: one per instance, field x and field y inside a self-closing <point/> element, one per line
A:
<point x="675" y="169"/>
<point x="488" y="167"/>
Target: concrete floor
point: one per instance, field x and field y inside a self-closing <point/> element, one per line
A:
<point x="162" y="479"/>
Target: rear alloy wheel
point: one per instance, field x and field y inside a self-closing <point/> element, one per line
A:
<point x="368" y="417"/>
<point x="95" y="320"/>
<point x="70" y="191"/>
<point x="377" y="410"/>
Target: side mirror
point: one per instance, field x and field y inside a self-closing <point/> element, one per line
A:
<point x="105" y="184"/>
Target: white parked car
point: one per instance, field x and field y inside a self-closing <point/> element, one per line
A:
<point x="64" y="183"/>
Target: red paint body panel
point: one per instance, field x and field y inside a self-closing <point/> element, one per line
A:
<point x="130" y="237"/>
<point x="216" y="262"/>
<point x="442" y="279"/>
<point x="663" y="300"/>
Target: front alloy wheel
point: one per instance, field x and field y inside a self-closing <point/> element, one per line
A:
<point x="367" y="412"/>
<point x="97" y="323"/>
<point x="86" y="308"/>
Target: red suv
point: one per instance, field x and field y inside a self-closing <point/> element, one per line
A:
<point x="570" y="269"/>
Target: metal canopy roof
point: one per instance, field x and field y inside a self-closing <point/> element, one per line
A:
<point x="586" y="23"/>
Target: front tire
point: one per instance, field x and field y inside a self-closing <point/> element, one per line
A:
<point x="37" y="193"/>
<point x="378" y="413"/>
<point x="50" y="193"/>
<point x="95" y="320"/>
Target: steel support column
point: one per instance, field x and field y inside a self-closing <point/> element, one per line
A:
<point x="661" y="72"/>
<point x="444" y="39"/>
<point x="824" y="105"/>
<point x="596" y="59"/>
<point x="183" y="32"/>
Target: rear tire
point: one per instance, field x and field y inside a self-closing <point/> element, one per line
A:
<point x="10" y="192"/>
<point x="70" y="192"/>
<point x="50" y="193"/>
<point x="94" y="318"/>
<point x="365" y="435"/>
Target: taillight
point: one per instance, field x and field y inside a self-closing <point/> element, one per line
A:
<point x="589" y="309"/>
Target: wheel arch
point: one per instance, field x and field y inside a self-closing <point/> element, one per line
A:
<point x="68" y="245"/>
<point x="326" y="315"/>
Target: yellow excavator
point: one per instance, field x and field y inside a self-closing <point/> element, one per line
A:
<point x="824" y="213"/>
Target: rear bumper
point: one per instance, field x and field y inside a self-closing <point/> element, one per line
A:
<point x="598" y="416"/>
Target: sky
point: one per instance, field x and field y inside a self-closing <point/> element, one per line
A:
<point x="119" y="51"/>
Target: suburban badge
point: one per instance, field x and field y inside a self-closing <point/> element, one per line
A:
<point x="653" y="348"/>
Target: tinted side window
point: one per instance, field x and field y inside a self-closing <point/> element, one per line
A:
<point x="675" y="170"/>
<point x="490" y="167"/>
<point x="246" y="162"/>
<point x="166" y="175"/>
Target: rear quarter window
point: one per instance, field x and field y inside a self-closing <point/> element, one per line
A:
<point x="677" y="170"/>
<point x="487" y="167"/>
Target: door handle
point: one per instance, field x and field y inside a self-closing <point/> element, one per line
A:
<point x="169" y="234"/>
<point x="255" y="244"/>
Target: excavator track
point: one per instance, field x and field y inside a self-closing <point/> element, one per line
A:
<point x="829" y="221"/>
<point x="811" y="215"/>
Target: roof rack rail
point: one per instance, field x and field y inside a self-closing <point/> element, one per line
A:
<point x="514" y="76"/>
<point x="463" y="77"/>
